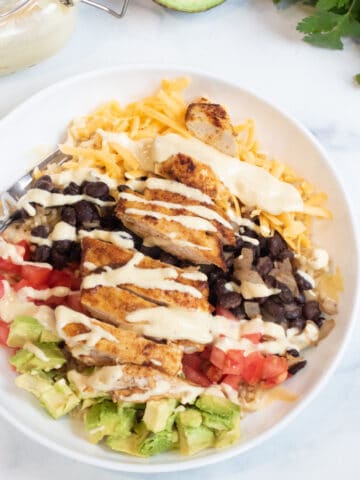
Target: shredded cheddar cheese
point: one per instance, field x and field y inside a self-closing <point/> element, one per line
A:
<point x="164" y="112"/>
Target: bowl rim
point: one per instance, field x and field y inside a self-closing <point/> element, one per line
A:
<point x="217" y="456"/>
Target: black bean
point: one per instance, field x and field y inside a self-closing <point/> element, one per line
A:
<point x="40" y="231"/>
<point x="229" y="260"/>
<point x="44" y="183"/>
<point x="167" y="258"/>
<point x="285" y="296"/>
<point x="153" y="252"/>
<point x="302" y="283"/>
<point x="96" y="189"/>
<point x="72" y="189"/>
<point x="122" y="188"/>
<point x="107" y="198"/>
<point x="276" y="245"/>
<point x="298" y="323"/>
<point x="300" y="298"/>
<point x="292" y="311"/>
<point x="293" y="352"/>
<point x="68" y="215"/>
<point x="311" y="310"/>
<point x="286" y="254"/>
<point x="111" y="222"/>
<point x="58" y="260"/>
<point x="56" y="190"/>
<point x="274" y="309"/>
<point x="230" y="300"/>
<point x="75" y="252"/>
<point x="86" y="213"/>
<point x="296" y="367"/>
<point x="41" y="254"/>
<point x="219" y="287"/>
<point x="238" y="312"/>
<point x="264" y="265"/>
<point x="62" y="246"/>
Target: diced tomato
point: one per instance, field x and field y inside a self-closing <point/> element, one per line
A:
<point x="4" y="332"/>
<point x="272" y="382"/>
<point x="9" y="267"/>
<point x="75" y="283"/>
<point x="233" y="380"/>
<point x="217" y="357"/>
<point x="193" y="360"/>
<point x="253" y="368"/>
<point x="195" y="376"/>
<point x="2" y="289"/>
<point x="21" y="284"/>
<point x="73" y="301"/>
<point x="60" y="278"/>
<point x="26" y="249"/>
<point x="213" y="373"/>
<point x="52" y="301"/>
<point x="224" y="312"/>
<point x="253" y="337"/>
<point x="36" y="276"/>
<point x="234" y="362"/>
<point x="205" y="354"/>
<point x="274" y="366"/>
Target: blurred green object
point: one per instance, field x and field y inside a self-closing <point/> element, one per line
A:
<point x="190" y="6"/>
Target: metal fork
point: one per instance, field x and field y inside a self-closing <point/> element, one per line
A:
<point x="11" y="196"/>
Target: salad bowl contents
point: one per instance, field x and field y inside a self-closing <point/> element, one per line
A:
<point x="163" y="282"/>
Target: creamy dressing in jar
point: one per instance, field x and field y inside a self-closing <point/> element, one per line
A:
<point x="32" y="30"/>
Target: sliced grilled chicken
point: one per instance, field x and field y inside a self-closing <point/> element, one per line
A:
<point x="134" y="384"/>
<point x="193" y="173"/>
<point x="198" y="247"/>
<point x="97" y="343"/>
<point x="152" y="281"/>
<point x="210" y="123"/>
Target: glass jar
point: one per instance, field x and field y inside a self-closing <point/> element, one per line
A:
<point x="32" y="30"/>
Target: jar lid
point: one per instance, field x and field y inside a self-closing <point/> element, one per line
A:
<point x="8" y="7"/>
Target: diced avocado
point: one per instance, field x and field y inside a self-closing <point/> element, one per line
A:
<point x="143" y="443"/>
<point x="190" y="418"/>
<point x="194" y="439"/>
<point x="43" y="356"/>
<point x="191" y="6"/>
<point x="109" y="418"/>
<point x="218" y="413"/>
<point x="226" y="438"/>
<point x="56" y="397"/>
<point x="28" y="329"/>
<point x="157" y="413"/>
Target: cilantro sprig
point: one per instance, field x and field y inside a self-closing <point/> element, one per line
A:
<point x="331" y="22"/>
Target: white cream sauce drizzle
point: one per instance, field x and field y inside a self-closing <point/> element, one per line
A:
<point x="196" y="276"/>
<point x="161" y="242"/>
<point x="253" y="241"/>
<point x="253" y="185"/>
<point x="177" y="187"/>
<point x="61" y="231"/>
<point x="81" y="175"/>
<point x="116" y="378"/>
<point x="48" y="199"/>
<point x="120" y="238"/>
<point x="201" y="327"/>
<point x="46" y="293"/>
<point x="12" y="306"/>
<point x="30" y="347"/>
<point x="194" y="223"/>
<point x="83" y="343"/>
<point x="198" y="210"/>
<point x="148" y="278"/>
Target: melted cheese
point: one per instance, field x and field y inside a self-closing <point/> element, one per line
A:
<point x="148" y="278"/>
<point x="198" y="210"/>
<point x="177" y="187"/>
<point x="193" y="223"/>
<point x="83" y="343"/>
<point x="47" y="199"/>
<point x="253" y="185"/>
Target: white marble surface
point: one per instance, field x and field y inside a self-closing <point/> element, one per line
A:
<point x="253" y="44"/>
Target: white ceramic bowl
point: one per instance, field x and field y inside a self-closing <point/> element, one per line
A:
<point x="42" y="120"/>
